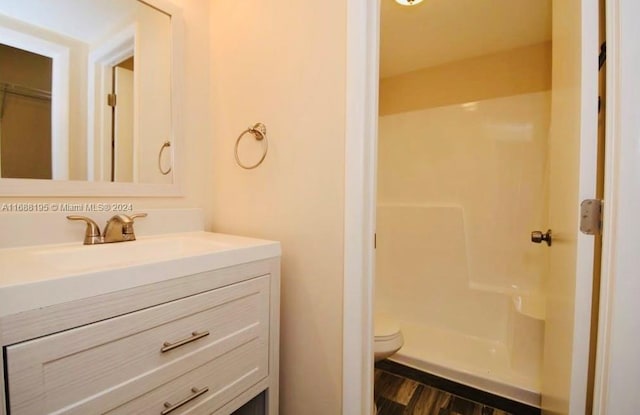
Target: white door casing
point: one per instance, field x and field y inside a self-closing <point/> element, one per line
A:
<point x="363" y="30"/>
<point x="617" y="359"/>
<point x="101" y="62"/>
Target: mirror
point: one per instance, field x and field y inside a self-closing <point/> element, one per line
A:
<point x="86" y="91"/>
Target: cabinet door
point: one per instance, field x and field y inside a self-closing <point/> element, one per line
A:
<point x="109" y="363"/>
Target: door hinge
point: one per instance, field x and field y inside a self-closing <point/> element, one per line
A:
<point x="111" y="100"/>
<point x="591" y="217"/>
<point x="375" y="241"/>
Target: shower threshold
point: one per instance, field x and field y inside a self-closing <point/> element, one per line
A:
<point x="472" y="361"/>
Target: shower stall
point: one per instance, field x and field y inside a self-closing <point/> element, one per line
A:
<point x="463" y="181"/>
<point x="478" y="158"/>
<point x="460" y="189"/>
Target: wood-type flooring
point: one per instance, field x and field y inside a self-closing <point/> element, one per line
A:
<point x="396" y="395"/>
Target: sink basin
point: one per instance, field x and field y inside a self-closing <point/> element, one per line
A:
<point x="89" y="257"/>
<point x="39" y="276"/>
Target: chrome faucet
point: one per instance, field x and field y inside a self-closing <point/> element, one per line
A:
<point x="118" y="229"/>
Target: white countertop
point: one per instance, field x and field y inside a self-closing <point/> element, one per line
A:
<point x="39" y="276"/>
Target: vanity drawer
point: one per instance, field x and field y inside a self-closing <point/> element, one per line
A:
<point x="107" y="364"/>
<point x="205" y="389"/>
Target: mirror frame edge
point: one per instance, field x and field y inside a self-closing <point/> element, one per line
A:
<point x="60" y="188"/>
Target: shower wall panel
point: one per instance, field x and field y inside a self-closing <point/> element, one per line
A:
<point x="460" y="188"/>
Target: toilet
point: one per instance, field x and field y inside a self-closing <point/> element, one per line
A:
<point x="387" y="340"/>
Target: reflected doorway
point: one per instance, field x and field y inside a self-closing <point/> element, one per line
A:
<point x="121" y="101"/>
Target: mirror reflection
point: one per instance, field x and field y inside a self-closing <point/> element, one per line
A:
<point x="85" y="91"/>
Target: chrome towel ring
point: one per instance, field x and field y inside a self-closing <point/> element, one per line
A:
<point x="166" y="144"/>
<point x="259" y="132"/>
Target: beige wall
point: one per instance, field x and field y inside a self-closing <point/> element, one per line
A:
<point x="513" y="72"/>
<point x="275" y="62"/>
<point x="283" y="63"/>
<point x="197" y="145"/>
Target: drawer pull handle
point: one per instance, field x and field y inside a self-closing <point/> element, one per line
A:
<point x="194" y="336"/>
<point x="196" y="393"/>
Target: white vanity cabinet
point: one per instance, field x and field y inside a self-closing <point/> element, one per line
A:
<point x="199" y="344"/>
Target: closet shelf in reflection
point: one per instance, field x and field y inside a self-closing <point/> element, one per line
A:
<point x="24" y="91"/>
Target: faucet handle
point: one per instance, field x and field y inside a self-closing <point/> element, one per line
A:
<point x="92" y="232"/>
<point x="137" y="215"/>
<point x="127" y="226"/>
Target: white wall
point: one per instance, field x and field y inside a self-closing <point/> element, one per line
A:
<point x="84" y="21"/>
<point x="283" y="63"/>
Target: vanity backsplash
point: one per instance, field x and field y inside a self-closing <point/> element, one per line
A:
<point x="24" y="226"/>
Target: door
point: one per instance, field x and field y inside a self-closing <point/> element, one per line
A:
<point x="573" y="160"/>
<point x="123" y="125"/>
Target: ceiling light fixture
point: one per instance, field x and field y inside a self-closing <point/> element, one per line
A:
<point x="408" y="2"/>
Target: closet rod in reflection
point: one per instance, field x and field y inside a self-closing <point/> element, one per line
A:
<point x="25" y="91"/>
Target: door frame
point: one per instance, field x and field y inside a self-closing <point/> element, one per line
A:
<point x="618" y="328"/>
<point x="363" y="31"/>
<point x="101" y="61"/>
<point x="363" y="28"/>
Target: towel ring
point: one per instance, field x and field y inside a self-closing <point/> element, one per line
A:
<point x="164" y="145"/>
<point x="259" y="131"/>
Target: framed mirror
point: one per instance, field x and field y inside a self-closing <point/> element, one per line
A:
<point x="89" y="97"/>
